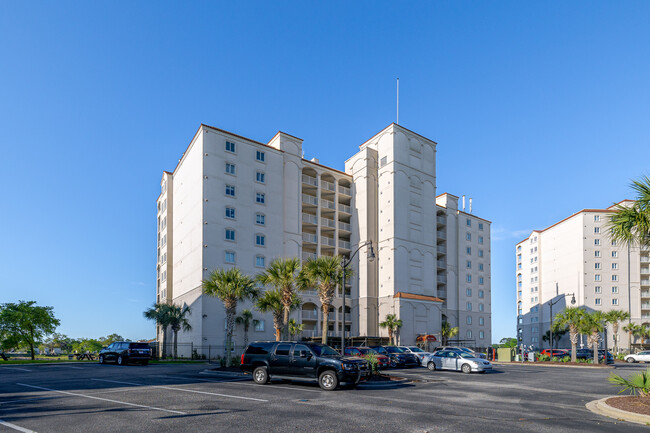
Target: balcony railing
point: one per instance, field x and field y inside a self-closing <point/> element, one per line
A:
<point x="308" y="237"/>
<point x="345" y="226"/>
<point x="344" y="244"/>
<point x="344" y="190"/>
<point x="442" y="264"/>
<point x="645" y="306"/>
<point x="442" y="293"/>
<point x="441" y="235"/>
<point x="645" y="259"/>
<point x="309" y="315"/>
<point x="645" y="270"/>
<point x="309" y="218"/>
<point x="327" y="241"/>
<point x="645" y="282"/>
<point x="326" y="222"/>
<point x="328" y="186"/>
<point x="441" y="219"/>
<point x="327" y="204"/>
<point x="309" y="292"/>
<point x="309" y="180"/>
<point x="309" y="199"/>
<point x="307" y="256"/>
<point x="442" y="278"/>
<point x="442" y="249"/>
<point x="344" y="208"/>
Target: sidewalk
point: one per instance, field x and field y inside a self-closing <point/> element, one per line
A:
<point x="559" y="365"/>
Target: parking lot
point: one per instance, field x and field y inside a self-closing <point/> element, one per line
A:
<point x="183" y="398"/>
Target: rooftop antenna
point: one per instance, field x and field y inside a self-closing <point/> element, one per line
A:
<point x="397" y="101"/>
<point x="463" y="203"/>
<point x="470" y="205"/>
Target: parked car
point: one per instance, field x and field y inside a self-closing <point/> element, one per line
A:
<point x="456" y="360"/>
<point x="397" y="356"/>
<point x="302" y="361"/>
<point x="123" y="352"/>
<point x="643" y="356"/>
<point x="415" y="351"/>
<point x="557" y="353"/>
<point x="463" y="349"/>
<point x="362" y="352"/>
<point x="589" y="354"/>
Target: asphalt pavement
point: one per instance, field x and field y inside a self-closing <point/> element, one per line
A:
<point x="183" y="398"/>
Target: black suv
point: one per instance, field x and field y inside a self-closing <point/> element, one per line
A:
<point x="302" y="361"/>
<point x="589" y="354"/>
<point x="123" y="352"/>
<point x="398" y="358"/>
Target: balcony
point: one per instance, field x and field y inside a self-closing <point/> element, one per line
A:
<point x="442" y="264"/>
<point x="344" y="190"/>
<point x="331" y="317"/>
<point x="645" y="259"/>
<point x="442" y="279"/>
<point x="441" y="219"/>
<point x="309" y="315"/>
<point x="645" y="282"/>
<point x="325" y="241"/>
<point x="442" y="249"/>
<point x="309" y="292"/>
<point x="346" y="227"/>
<point x="327" y="204"/>
<point x="327" y="186"/>
<point x="645" y="271"/>
<point x="308" y="237"/>
<point x="645" y="306"/>
<point x="645" y="294"/>
<point x="345" y="208"/>
<point x="441" y="235"/>
<point x="308" y="256"/>
<point x="344" y="244"/>
<point x="442" y="293"/>
<point x="309" y="218"/>
<point x="326" y="222"/>
<point x="310" y="200"/>
<point x="306" y="179"/>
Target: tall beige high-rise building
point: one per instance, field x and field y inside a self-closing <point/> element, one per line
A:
<point x="576" y="259"/>
<point x="233" y="201"/>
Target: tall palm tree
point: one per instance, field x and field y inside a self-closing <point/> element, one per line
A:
<point x="614" y="317"/>
<point x="392" y="324"/>
<point x="282" y="274"/>
<point x="177" y="321"/>
<point x="271" y="302"/>
<point x="592" y="324"/>
<point x="295" y="328"/>
<point x="447" y="331"/>
<point x="322" y="273"/>
<point x="570" y="318"/>
<point x="160" y="314"/>
<point x="632" y="331"/>
<point x="245" y="318"/>
<point x="230" y="287"/>
<point x="631" y="224"/>
<point x="557" y="335"/>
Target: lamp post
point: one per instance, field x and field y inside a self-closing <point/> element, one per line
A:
<point x="551" y="303"/>
<point x="344" y="265"/>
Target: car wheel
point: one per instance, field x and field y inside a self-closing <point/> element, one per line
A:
<point x="120" y="360"/>
<point x="101" y="359"/>
<point x="630" y="360"/>
<point x="393" y="363"/>
<point x="466" y="368"/>
<point x="431" y="366"/>
<point x="328" y="380"/>
<point x="260" y="375"/>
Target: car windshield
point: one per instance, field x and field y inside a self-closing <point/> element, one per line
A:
<point x="322" y="350"/>
<point x="139" y="345"/>
<point x="393" y="349"/>
<point x="466" y="350"/>
<point x="415" y="349"/>
<point x="466" y="355"/>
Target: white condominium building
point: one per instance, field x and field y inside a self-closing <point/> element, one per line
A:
<point x="576" y="257"/>
<point x="233" y="201"/>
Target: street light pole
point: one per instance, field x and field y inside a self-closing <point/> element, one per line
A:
<point x="344" y="265"/>
<point x="551" y="303"/>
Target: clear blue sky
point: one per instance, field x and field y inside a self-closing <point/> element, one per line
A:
<point x="540" y="109"/>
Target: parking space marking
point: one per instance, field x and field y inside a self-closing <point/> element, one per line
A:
<point x="16" y="427"/>
<point x="182" y="389"/>
<point x="244" y="379"/>
<point x="103" y="399"/>
<point x="14" y="368"/>
<point x="240" y="379"/>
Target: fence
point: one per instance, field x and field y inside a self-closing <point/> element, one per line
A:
<point x="193" y="351"/>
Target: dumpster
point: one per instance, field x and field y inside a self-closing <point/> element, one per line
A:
<point x="505" y="354"/>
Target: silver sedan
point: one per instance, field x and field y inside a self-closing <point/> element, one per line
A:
<point x="639" y="357"/>
<point x="459" y="361"/>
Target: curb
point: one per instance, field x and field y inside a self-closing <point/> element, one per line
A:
<point x="539" y="364"/>
<point x="602" y="408"/>
<point x="223" y="373"/>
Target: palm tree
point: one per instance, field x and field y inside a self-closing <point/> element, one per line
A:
<point x="246" y="318"/>
<point x="177" y="320"/>
<point x="392" y="323"/>
<point x="570" y="318"/>
<point x="614" y="317"/>
<point x="160" y="314"/>
<point x="231" y="287"/>
<point x="631" y="224"/>
<point x="295" y="328"/>
<point x="447" y="332"/>
<point x="282" y="274"/>
<point x="592" y="324"/>
<point x="271" y="302"/>
<point x="631" y="329"/>
<point x="557" y="335"/>
<point x="322" y="273"/>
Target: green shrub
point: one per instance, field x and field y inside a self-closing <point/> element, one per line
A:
<point x="566" y="359"/>
<point x="543" y="357"/>
<point x="637" y="383"/>
<point x="620" y="356"/>
<point x="374" y="362"/>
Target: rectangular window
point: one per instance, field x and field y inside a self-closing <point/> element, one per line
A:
<point x="469" y="306"/>
<point x="598" y="289"/>
<point x="480" y="267"/>
<point x="597" y="277"/>
<point x="614" y="254"/>
<point x="260" y="177"/>
<point x="468" y="236"/>
<point x="480" y="239"/>
<point x="259" y="198"/>
<point x="596" y="242"/>
<point x="597" y="301"/>
<point x="596" y="230"/>
<point x="230" y="235"/>
<point x="480" y="280"/>
<point x="260" y="219"/>
<point x="469" y="250"/>
<point x="230" y="190"/>
<point x="260" y="240"/>
<point x="596" y="265"/>
<point x="481" y="321"/>
<point x="480" y="226"/>
<point x="597" y="253"/>
<point x="469" y="264"/>
<point x="230" y="257"/>
<point x="480" y="253"/>
<point x="614" y="265"/>
<point x="230" y="168"/>
<point x="469" y="222"/>
<point x="614" y="277"/>
<point x="481" y="294"/>
<point x="382" y="161"/>
<point x="614" y="289"/>
<point x="596" y="218"/>
<point x="469" y="320"/>
<point x="614" y="243"/>
<point x="469" y="333"/>
<point x="614" y="301"/>
<point x="481" y="307"/>
<point x="259" y="261"/>
<point x="469" y="278"/>
<point x="481" y="335"/>
<point x="260" y="156"/>
<point x="230" y="147"/>
<point x="259" y="325"/>
<point x="468" y="292"/>
<point x="230" y="213"/>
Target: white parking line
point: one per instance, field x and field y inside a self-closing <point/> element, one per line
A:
<point x="241" y="380"/>
<point x="103" y="399"/>
<point x="15" y="427"/>
<point x="65" y="366"/>
<point x="203" y="380"/>
<point x="182" y="389"/>
<point x="14" y="368"/>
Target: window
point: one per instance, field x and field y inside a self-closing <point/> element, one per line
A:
<point x="382" y="162"/>
<point x="597" y="253"/>
<point x="518" y="265"/>
<point x="614" y="301"/>
<point x="480" y="267"/>
<point x="519" y="248"/>
<point x="532" y="299"/>
<point x="230" y="190"/>
<point x="259" y="325"/>
<point x="230" y="147"/>
<point x="260" y="177"/>
<point x="596" y="265"/>
<point x="597" y="277"/>
<point x="480" y="226"/>
<point x="469" y="278"/>
<point x="614" y="253"/>
<point x="596" y="218"/>
<point x="230" y="235"/>
<point x="230" y="213"/>
<point x="230" y="168"/>
<point x="259" y="261"/>
<point x="519" y="257"/>
<point x="468" y="292"/>
<point x="481" y="335"/>
<point x="468" y="236"/>
<point x="597" y="301"/>
<point x="260" y="156"/>
<point x="469" y="333"/>
<point x="481" y="294"/>
<point x="614" y="265"/>
<point x="230" y="257"/>
<point x="614" y="277"/>
<point x="480" y="253"/>
<point x="480" y="239"/>
<point x="598" y="289"/>
<point x="260" y="219"/>
<point x="481" y="321"/>
<point x="469" y="320"/>
<point x="469" y="264"/>
<point x="614" y="289"/>
<point x="259" y="198"/>
<point x="614" y="243"/>
<point x="480" y="280"/>
<point x="596" y="241"/>
<point x="481" y="307"/>
<point x="469" y="306"/>
<point x="469" y="250"/>
<point x="596" y="230"/>
<point x="260" y="240"/>
<point x="469" y="222"/>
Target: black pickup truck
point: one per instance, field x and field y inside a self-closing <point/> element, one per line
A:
<point x="302" y="361"/>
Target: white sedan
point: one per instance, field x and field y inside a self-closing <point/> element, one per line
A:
<point x="451" y="360"/>
<point x="639" y="357"/>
